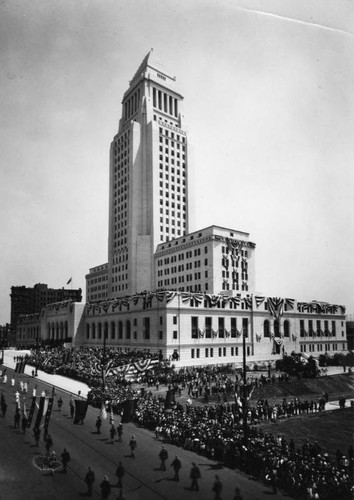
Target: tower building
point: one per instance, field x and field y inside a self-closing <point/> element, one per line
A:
<point x="148" y="194"/>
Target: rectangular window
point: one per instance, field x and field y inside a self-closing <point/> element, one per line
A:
<point x="302" y="328"/>
<point x="192" y="353"/>
<point x="233" y="327"/>
<point x="211" y="352"/>
<point x="146" y="328"/>
<point x="208" y="327"/>
<point x="221" y="327"/>
<point x="245" y="326"/>
<point x="194" y="327"/>
<point x="174" y="334"/>
<point x="206" y="352"/>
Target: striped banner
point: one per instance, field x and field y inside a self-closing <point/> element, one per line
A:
<point x="31" y="412"/>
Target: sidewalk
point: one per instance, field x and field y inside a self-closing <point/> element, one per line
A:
<point x="66" y="384"/>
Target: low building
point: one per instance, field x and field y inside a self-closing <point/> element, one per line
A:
<point x="30" y="300"/>
<point x="196" y="328"/>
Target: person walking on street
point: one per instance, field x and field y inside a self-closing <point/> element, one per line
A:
<point x="37" y="435"/>
<point x="60" y="403"/>
<point x="120" y="431"/>
<point x="105" y="488"/>
<point x="48" y="443"/>
<point x="65" y="459"/>
<point x="72" y="408"/>
<point x="176" y="464"/>
<point x="24" y="423"/>
<point x="132" y="445"/>
<point x="120" y="473"/>
<point x="163" y="455"/>
<point x="89" y="480"/>
<point x="17" y="418"/>
<point x="194" y="475"/>
<point x="98" y="424"/>
<point x="112" y="432"/>
<point x="217" y="487"/>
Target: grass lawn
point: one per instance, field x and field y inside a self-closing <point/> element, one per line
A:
<point x="331" y="429"/>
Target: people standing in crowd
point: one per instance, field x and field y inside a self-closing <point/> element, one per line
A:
<point x="65" y="459"/>
<point x="89" y="480"/>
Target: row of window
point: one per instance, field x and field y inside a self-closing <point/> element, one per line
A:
<point x="322" y="347"/>
<point x="164" y="102"/>
<point x="220" y="352"/>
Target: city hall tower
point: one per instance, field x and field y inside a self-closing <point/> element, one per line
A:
<point x="148" y="193"/>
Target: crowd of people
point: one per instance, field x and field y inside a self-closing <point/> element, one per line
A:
<point x="216" y="430"/>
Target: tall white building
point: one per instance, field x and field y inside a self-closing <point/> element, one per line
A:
<point x="148" y="192"/>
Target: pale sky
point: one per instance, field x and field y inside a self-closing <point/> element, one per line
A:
<point x="269" y="110"/>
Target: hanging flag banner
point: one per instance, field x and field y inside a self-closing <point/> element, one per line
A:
<point x="47" y="411"/>
<point x="128" y="410"/>
<point x="80" y="410"/>
<point x="40" y="412"/>
<point x="31" y="412"/>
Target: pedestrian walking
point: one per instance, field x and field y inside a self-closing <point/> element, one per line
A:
<point x="194" y="475"/>
<point x="89" y="480"/>
<point x="132" y="445"/>
<point x="105" y="488"/>
<point x="17" y="418"/>
<point x="163" y="455"/>
<point x="60" y="403"/>
<point x="217" y="488"/>
<point x="24" y="423"/>
<point x="37" y="435"/>
<point x="176" y="464"/>
<point x="98" y="424"/>
<point x="112" y="432"/>
<point x="237" y="495"/>
<point x="65" y="459"/>
<point x="3" y="408"/>
<point x="120" y="471"/>
<point x="72" y="408"/>
<point x="48" y="443"/>
<point x="120" y="431"/>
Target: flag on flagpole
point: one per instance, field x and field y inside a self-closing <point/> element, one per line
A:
<point x="111" y="418"/>
<point x="69" y="281"/>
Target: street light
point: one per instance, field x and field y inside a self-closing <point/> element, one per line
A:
<point x="244" y="389"/>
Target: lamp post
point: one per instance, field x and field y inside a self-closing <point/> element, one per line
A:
<point x="244" y="389"/>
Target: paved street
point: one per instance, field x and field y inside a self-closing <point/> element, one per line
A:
<point x="19" y="478"/>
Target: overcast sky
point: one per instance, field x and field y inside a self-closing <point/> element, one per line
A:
<point x="269" y="110"/>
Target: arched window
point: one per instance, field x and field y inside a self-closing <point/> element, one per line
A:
<point x="99" y="335"/>
<point x="286" y="328"/>
<point x="93" y="330"/>
<point x="113" y="330"/>
<point x="120" y="330"/>
<point x="105" y="330"/>
<point x="276" y="328"/>
<point x="87" y="331"/>
<point x="266" y="328"/>
<point x="128" y="329"/>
